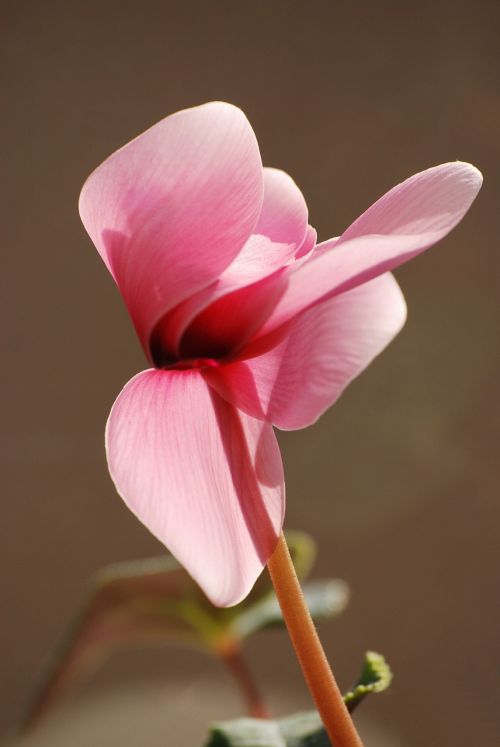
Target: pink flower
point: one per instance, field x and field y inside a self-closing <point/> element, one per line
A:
<point x="246" y="323"/>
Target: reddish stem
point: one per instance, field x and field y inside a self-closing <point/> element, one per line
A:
<point x="309" y="651"/>
<point x="232" y="656"/>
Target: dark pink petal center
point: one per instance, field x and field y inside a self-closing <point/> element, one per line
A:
<point x="221" y="331"/>
<point x="196" y="350"/>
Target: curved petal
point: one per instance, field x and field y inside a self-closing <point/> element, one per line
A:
<point x="223" y="317"/>
<point x="318" y="355"/>
<point x="170" y="210"/>
<point x="226" y="326"/>
<point x="410" y="218"/>
<point x="308" y="244"/>
<point x="283" y="217"/>
<point x="433" y="200"/>
<point x="204" y="478"/>
<point x="200" y="326"/>
<point x="280" y="234"/>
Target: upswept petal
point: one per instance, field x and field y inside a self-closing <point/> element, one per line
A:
<point x="316" y="356"/>
<point x="433" y="200"/>
<point x="410" y="218"/>
<point x="205" y="479"/>
<point x="170" y="210"/>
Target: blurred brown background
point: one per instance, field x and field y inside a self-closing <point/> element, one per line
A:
<point x="398" y="482"/>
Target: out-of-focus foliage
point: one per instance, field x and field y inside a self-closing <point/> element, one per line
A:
<point x="154" y="601"/>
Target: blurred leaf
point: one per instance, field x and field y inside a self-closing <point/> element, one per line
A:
<point x="124" y="604"/>
<point x="156" y="601"/>
<point x="375" y="677"/>
<point x="304" y="730"/>
<point x="246" y="732"/>
<point x="303" y="551"/>
<point x="300" y="729"/>
<point x="325" y="598"/>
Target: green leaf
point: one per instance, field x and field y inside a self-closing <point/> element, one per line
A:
<point x="375" y="677"/>
<point x="300" y="729"/>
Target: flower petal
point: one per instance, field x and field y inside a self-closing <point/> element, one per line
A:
<point x="227" y="325"/>
<point x="226" y="315"/>
<point x="280" y="234"/>
<point x="410" y="218"/>
<point x="434" y="200"/>
<point x="308" y="244"/>
<point x="172" y="208"/>
<point x="200" y="326"/>
<point x="318" y="355"/>
<point x="204" y="478"/>
<point x="283" y="217"/>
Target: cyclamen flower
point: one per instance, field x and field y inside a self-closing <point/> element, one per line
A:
<point x="247" y="325"/>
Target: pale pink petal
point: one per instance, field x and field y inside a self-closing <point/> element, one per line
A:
<point x="171" y="209"/>
<point x="259" y="257"/>
<point x="206" y="479"/>
<point x="410" y="218"/>
<point x="308" y="244"/>
<point x="318" y="355"/>
<point x="283" y="217"/>
<point x="433" y="200"/>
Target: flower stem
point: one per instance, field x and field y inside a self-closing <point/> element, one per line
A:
<point x="232" y="656"/>
<point x="312" y="659"/>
